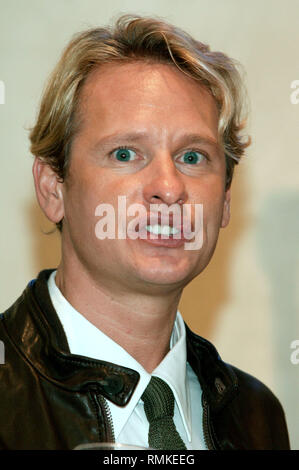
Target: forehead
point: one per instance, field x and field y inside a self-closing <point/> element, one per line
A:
<point x="139" y="93"/>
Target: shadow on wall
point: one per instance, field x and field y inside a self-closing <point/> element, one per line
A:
<point x="277" y="246"/>
<point x="204" y="298"/>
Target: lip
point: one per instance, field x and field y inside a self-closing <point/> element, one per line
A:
<point x="157" y="240"/>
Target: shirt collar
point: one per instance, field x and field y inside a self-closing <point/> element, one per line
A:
<point x="172" y="368"/>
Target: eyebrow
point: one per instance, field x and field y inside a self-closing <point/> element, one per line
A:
<point x="133" y="137"/>
<point x="198" y="138"/>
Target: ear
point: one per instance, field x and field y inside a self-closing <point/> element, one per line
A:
<point x="226" y="209"/>
<point x="48" y="190"/>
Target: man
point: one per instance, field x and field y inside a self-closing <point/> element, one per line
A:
<point x="143" y="112"/>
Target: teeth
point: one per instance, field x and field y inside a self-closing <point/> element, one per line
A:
<point x="162" y="229"/>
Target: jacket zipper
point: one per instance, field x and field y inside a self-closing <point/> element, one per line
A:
<point x="106" y="413"/>
<point x="206" y="425"/>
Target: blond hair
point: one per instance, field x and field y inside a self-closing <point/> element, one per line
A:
<point x="135" y="38"/>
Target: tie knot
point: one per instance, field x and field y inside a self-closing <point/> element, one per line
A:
<point x="158" y="400"/>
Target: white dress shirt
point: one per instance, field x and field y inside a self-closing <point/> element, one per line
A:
<point x="130" y="422"/>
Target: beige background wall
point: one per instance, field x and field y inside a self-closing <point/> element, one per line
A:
<point x="247" y="300"/>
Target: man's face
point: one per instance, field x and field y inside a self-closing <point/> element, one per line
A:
<point x="149" y="133"/>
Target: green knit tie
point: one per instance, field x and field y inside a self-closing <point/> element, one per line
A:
<point x="159" y="408"/>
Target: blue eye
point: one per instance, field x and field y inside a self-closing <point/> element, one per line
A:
<point x="192" y="157"/>
<point x="125" y="155"/>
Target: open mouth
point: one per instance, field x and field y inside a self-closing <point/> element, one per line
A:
<point x="159" y="229"/>
<point x="157" y="226"/>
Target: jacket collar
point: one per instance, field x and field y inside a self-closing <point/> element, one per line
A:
<point x="34" y="327"/>
<point x="218" y="381"/>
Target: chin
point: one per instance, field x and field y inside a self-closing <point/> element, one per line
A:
<point x="166" y="274"/>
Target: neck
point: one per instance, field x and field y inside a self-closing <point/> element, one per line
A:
<point x="139" y="322"/>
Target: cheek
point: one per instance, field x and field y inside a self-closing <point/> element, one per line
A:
<point x="211" y="195"/>
<point x="86" y="193"/>
<point x="212" y="199"/>
<point x="81" y="200"/>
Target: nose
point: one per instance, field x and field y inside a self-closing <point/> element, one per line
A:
<point x="164" y="183"/>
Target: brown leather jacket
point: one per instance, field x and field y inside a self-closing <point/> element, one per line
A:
<point x="51" y="399"/>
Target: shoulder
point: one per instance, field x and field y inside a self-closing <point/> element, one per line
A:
<point x="261" y="412"/>
<point x="242" y="406"/>
<point x="247" y="384"/>
<point x="255" y="391"/>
